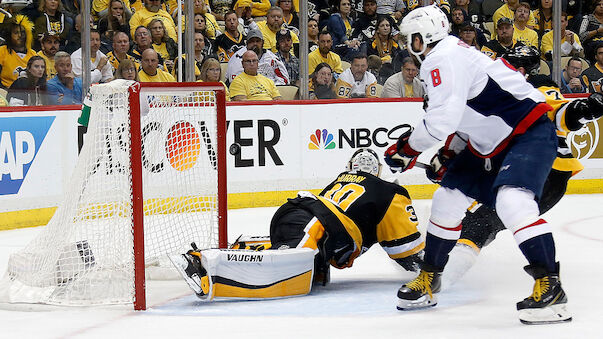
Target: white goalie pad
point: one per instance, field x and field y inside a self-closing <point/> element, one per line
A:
<point x="258" y="274"/>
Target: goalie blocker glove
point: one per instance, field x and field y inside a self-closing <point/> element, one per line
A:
<point x="400" y="156"/>
<point x="581" y="111"/>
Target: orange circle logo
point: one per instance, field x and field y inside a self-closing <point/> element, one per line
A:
<point x="182" y="146"/>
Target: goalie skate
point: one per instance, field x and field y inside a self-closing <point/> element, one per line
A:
<point x="190" y="268"/>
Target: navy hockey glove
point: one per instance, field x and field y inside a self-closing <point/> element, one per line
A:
<point x="439" y="164"/>
<point x="580" y="111"/>
<point x="400" y="156"/>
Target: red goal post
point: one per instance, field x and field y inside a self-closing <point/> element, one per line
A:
<point x="150" y="179"/>
<point x="136" y="166"/>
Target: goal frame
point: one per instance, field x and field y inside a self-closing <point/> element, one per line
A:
<point x="137" y="184"/>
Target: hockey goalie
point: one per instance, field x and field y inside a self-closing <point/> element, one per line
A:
<point x="308" y="234"/>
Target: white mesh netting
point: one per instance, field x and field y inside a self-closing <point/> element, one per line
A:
<point x="85" y="255"/>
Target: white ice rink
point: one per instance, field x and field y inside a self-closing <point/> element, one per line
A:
<point x="359" y="302"/>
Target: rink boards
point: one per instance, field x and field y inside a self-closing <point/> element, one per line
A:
<point x="284" y="147"/>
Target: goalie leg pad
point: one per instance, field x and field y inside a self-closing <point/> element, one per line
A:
<point x="259" y="275"/>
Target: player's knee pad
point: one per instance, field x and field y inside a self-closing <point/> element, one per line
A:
<point x="257" y="275"/>
<point x="519" y="212"/>
<point x="447" y="210"/>
<point x="515" y="206"/>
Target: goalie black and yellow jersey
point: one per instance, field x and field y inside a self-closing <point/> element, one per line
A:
<point x="382" y="211"/>
<point x="565" y="160"/>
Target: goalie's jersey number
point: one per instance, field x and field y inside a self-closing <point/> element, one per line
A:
<point x="344" y="195"/>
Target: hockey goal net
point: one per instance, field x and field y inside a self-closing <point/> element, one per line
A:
<point x="150" y="179"/>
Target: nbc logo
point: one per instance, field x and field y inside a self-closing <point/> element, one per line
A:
<point x="321" y="140"/>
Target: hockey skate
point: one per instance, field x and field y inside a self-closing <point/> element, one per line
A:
<point x="190" y="268"/>
<point x="419" y="293"/>
<point x="548" y="302"/>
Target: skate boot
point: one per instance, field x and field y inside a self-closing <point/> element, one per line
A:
<point x="419" y="293"/>
<point x="190" y="268"/>
<point x="548" y="302"/>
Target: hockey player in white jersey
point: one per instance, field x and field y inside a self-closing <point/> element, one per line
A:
<point x="510" y="148"/>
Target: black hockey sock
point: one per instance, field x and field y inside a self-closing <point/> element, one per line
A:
<point x="540" y="251"/>
<point x="436" y="251"/>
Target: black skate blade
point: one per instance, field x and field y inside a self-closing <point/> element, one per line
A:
<point x="415" y="308"/>
<point x="547" y="322"/>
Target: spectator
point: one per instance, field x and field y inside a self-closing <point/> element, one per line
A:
<point x="101" y="69"/>
<point x="384" y="46"/>
<point x="152" y="10"/>
<point x="508" y="11"/>
<point x="150" y="71"/>
<point x="273" y="24"/>
<point x="51" y="19"/>
<point x="101" y="9"/>
<point x="474" y="14"/>
<point x="322" y="82"/>
<point x="219" y="8"/>
<point x="391" y="8"/>
<point x="200" y="57"/>
<point x="30" y="88"/>
<point x="459" y="19"/>
<point x="257" y="7"/>
<point x="121" y="47"/>
<point x="165" y="46"/>
<point x="442" y="4"/>
<point x="312" y="35"/>
<point x="404" y="84"/>
<point x="232" y="40"/>
<point x="570" y="77"/>
<point x="340" y="26"/>
<point x="128" y="70"/>
<point x="521" y="32"/>
<point x="75" y="38"/>
<point x="592" y="76"/>
<point x="50" y="47"/>
<point x="591" y="30"/>
<point x="323" y="54"/>
<point x="200" y="26"/>
<point x="212" y="72"/>
<point x="468" y="35"/>
<point x="366" y="23"/>
<point x="356" y="82"/>
<point x="570" y="42"/>
<point x="544" y="17"/>
<point x="116" y="19"/>
<point x="290" y="18"/>
<point x="17" y="51"/>
<point x="142" y="41"/>
<point x="212" y="29"/>
<point x="64" y="88"/>
<point x="250" y="85"/>
<point x="285" y="43"/>
<point x="246" y="22"/>
<point x="270" y="65"/>
<point x="504" y="42"/>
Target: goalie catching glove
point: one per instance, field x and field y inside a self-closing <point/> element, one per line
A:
<point x="581" y="111"/>
<point x="400" y="156"/>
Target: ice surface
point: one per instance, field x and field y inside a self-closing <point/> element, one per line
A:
<point x="359" y="302"/>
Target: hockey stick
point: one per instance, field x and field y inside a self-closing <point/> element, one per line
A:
<point x="423" y="165"/>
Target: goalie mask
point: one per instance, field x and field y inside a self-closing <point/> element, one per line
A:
<point x="365" y="160"/>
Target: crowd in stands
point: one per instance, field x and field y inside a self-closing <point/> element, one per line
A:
<point x="252" y="46"/>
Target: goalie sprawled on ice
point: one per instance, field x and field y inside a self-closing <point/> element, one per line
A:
<point x="310" y="233"/>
